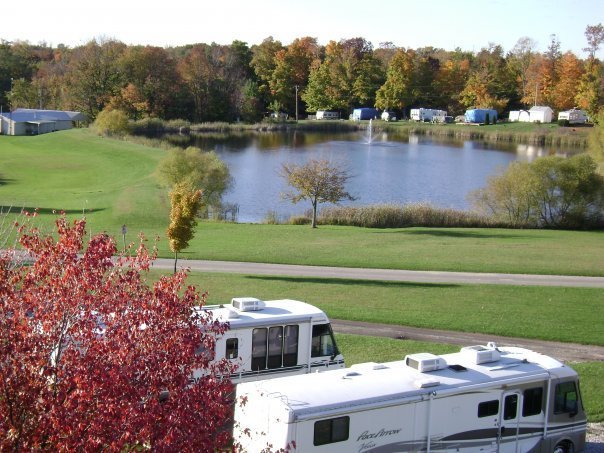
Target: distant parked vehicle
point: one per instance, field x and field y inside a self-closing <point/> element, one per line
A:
<point x="572" y="116"/>
<point x="481" y="116"/>
<point x="428" y="115"/>
<point x="327" y="115"/>
<point x="388" y="116"/>
<point x="365" y="113"/>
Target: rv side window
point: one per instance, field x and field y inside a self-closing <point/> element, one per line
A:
<point x="510" y="407"/>
<point x="275" y="347"/>
<point x="232" y="348"/>
<point x="290" y="346"/>
<point x="533" y="400"/>
<point x="259" y="349"/>
<point x="332" y="430"/>
<point x="323" y="343"/>
<point x="488" y="408"/>
<point x="566" y="399"/>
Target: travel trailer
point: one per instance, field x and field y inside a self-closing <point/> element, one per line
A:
<point x="428" y="115"/>
<point x="573" y="116"/>
<point x="482" y="398"/>
<point x="327" y="115"/>
<point x="274" y="338"/>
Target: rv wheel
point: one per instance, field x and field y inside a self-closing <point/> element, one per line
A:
<point x="564" y="447"/>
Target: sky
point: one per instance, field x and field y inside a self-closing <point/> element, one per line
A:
<point x="468" y="24"/>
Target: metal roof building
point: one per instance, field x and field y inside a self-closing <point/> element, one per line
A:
<point x="34" y="122"/>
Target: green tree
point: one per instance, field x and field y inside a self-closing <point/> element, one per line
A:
<point x="396" y="92"/>
<point x="552" y="192"/>
<point x="185" y="202"/>
<point x="509" y="195"/>
<point x="200" y="169"/>
<point x="596" y="141"/>
<point x="318" y="181"/>
<point x="94" y="76"/>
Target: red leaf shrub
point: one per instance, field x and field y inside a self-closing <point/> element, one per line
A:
<point x="88" y="351"/>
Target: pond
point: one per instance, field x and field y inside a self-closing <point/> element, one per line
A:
<point x="385" y="168"/>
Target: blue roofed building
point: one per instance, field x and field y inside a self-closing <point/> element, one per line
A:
<point x="34" y="122"/>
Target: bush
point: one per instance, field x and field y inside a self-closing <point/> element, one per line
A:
<point x="112" y="122"/>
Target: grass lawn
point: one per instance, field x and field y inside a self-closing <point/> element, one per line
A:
<point x="514" y="311"/>
<point x="113" y="182"/>
<point x="359" y="349"/>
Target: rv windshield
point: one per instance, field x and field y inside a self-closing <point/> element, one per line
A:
<point x="323" y="342"/>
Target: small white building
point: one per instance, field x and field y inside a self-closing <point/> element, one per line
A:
<point x="541" y="114"/>
<point x="34" y="122"/>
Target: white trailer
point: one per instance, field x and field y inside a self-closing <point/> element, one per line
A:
<point x="274" y="338"/>
<point x="428" y="115"/>
<point x="481" y="399"/>
<point x="327" y="115"/>
<point x="573" y="116"/>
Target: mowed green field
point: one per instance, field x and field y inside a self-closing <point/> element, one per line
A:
<point x="113" y="182"/>
<point x="76" y="171"/>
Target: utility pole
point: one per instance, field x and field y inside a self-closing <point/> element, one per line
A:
<point x="296" y="86"/>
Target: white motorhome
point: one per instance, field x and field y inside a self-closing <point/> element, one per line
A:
<point x="428" y="115"/>
<point x="482" y="398"/>
<point x="274" y="338"/>
<point x="573" y="116"/>
<point x="327" y="115"/>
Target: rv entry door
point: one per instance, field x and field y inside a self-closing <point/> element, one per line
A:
<point x="509" y="420"/>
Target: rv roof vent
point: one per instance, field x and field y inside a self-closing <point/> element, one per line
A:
<point x="424" y="362"/>
<point x="350" y="374"/>
<point x="425" y="383"/>
<point x="232" y="314"/>
<point x="247" y="303"/>
<point x="481" y="354"/>
<point x="368" y="366"/>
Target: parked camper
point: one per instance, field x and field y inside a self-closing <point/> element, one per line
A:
<point x="421" y="114"/>
<point x="481" y="116"/>
<point x="573" y="116"/>
<point x="482" y="398"/>
<point x="327" y="115"/>
<point x="365" y="113"/>
<point x="438" y="116"/>
<point x="387" y="115"/>
<point x="274" y="338"/>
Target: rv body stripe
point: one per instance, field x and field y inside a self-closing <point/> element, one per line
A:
<point x="281" y="370"/>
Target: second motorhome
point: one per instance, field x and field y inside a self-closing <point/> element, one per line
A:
<point x="480" y="399"/>
<point x="428" y="115"/>
<point x="274" y="338"/>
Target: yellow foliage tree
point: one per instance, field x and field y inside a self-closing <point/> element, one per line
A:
<point x="185" y="201"/>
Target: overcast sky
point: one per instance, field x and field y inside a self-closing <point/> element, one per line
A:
<point x="468" y="24"/>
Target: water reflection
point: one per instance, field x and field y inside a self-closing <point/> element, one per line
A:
<point x="394" y="168"/>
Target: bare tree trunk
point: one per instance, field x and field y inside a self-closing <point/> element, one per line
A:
<point x="175" y="260"/>
<point x="314" y="214"/>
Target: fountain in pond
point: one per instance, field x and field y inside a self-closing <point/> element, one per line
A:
<point x="370" y="132"/>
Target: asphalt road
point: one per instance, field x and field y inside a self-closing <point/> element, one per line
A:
<point x="382" y="274"/>
<point x="566" y="352"/>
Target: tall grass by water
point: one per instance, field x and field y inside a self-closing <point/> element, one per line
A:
<point x="401" y="216"/>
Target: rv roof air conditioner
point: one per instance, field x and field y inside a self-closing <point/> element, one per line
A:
<point x="482" y="354"/>
<point x="425" y="362"/>
<point x="247" y="304"/>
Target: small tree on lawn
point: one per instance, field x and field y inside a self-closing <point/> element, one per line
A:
<point x="88" y="350"/>
<point x="319" y="181"/>
<point x="185" y="202"/>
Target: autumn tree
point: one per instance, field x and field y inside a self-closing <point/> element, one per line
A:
<point x="185" y="202"/>
<point x="318" y="181"/>
<point x="570" y="71"/>
<point x="93" y="357"/>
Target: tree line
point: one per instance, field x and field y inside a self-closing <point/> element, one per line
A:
<point x="213" y="82"/>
